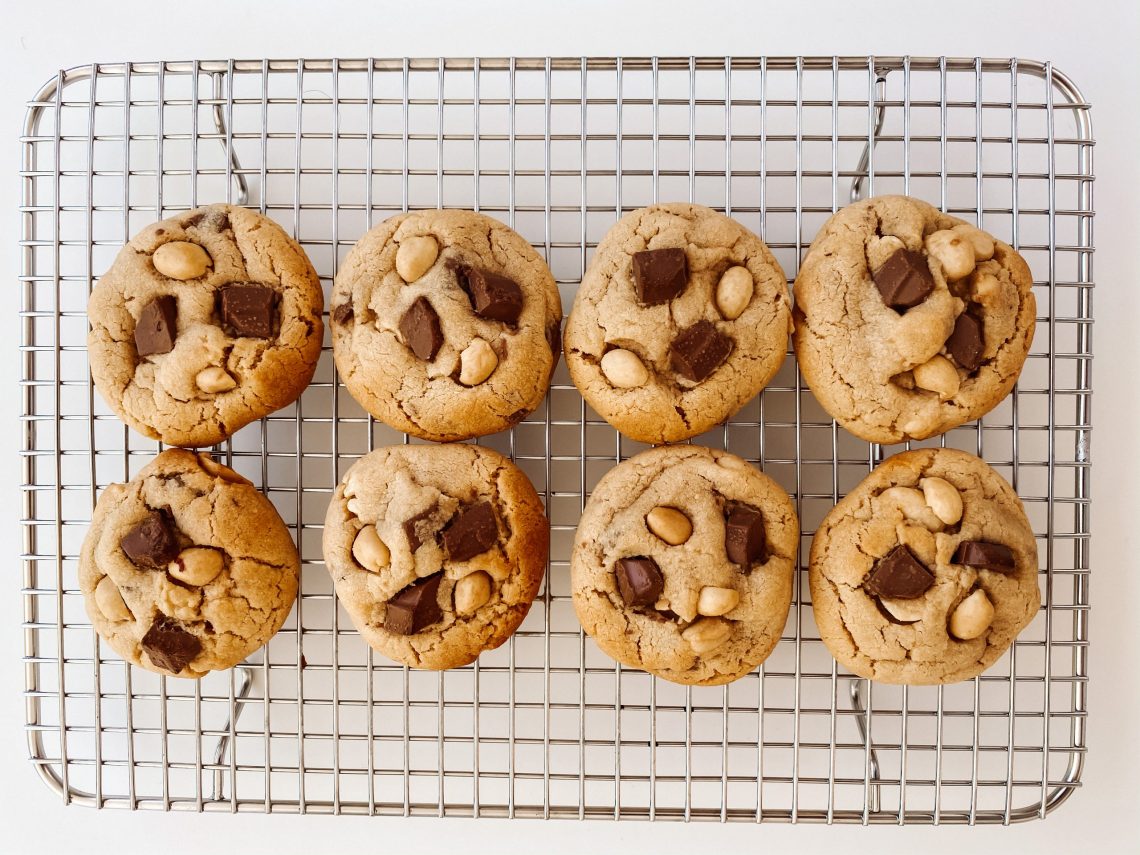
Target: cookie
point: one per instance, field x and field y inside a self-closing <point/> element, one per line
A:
<point x="205" y="322"/>
<point x="910" y="322"/>
<point x="682" y="318"/>
<point x="925" y="572"/>
<point x="187" y="568"/>
<point x="446" y="324"/>
<point x="436" y="552"/>
<point x="683" y="564"/>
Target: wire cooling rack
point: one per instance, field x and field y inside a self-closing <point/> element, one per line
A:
<point x="547" y="726"/>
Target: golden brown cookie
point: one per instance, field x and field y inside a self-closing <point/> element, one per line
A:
<point x="436" y="551"/>
<point x="205" y="322"/>
<point x="445" y="324"/>
<point x="187" y="568"/>
<point x="925" y="572"/>
<point x="683" y="564"/>
<point x="681" y="319"/>
<point x="910" y="322"/>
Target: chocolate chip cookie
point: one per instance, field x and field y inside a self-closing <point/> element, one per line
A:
<point x="436" y="552"/>
<point x="926" y="571"/>
<point x="682" y="317"/>
<point x="205" y="322"/>
<point x="910" y="322"/>
<point x="683" y="564"/>
<point x="446" y="324"/>
<point x="187" y="568"/>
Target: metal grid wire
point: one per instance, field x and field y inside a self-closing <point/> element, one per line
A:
<point x="547" y="726"/>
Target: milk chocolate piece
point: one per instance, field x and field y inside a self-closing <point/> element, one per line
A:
<point x="421" y="331"/>
<point x="169" y="646"/>
<point x="988" y="556"/>
<point x="639" y="580"/>
<point x="898" y="575"/>
<point x="744" y="539"/>
<point x="965" y="343"/>
<point x="152" y="543"/>
<point x="494" y="297"/>
<point x="248" y="311"/>
<point x="904" y="279"/>
<point x="414" y="607"/>
<point x="471" y="531"/>
<point x="659" y="275"/>
<point x="697" y="351"/>
<point x="343" y="313"/>
<point x="418" y="529"/>
<point x="155" y="329"/>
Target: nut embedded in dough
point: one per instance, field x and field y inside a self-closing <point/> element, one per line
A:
<point x="181" y="260"/>
<point x="982" y="243"/>
<point x="213" y="380"/>
<point x="714" y="601"/>
<point x="415" y="257"/>
<point x="669" y="524"/>
<point x="624" y="369"/>
<point x="913" y="505"/>
<point x="943" y="498"/>
<point x="472" y="592"/>
<point x="369" y="550"/>
<point x="939" y="375"/>
<point x="972" y="617"/>
<point x="734" y="292"/>
<point x="197" y="565"/>
<point x="707" y="634"/>
<point x="954" y="251"/>
<point x="477" y="362"/>
<point x="904" y="611"/>
<point x="110" y="601"/>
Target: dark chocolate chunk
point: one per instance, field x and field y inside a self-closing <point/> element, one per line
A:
<point x="414" y="607"/>
<point x="342" y="314"/>
<point x="194" y="220"/>
<point x="155" y="329"/>
<point x="212" y="218"/>
<point x="744" y="539"/>
<point x="697" y="351"/>
<point x="554" y="339"/>
<point x="420" y="328"/>
<point x="639" y="580"/>
<point x="988" y="556"/>
<point x="965" y="343"/>
<point x="659" y="275"/>
<point x="152" y="543"/>
<point x="471" y="531"/>
<point x="249" y="310"/>
<point x="494" y="297"/>
<point x="904" y="279"/>
<point x="419" y="529"/>
<point x="899" y="575"/>
<point x="169" y="646"/>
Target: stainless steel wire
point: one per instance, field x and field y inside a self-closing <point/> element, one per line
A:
<point x="558" y="148"/>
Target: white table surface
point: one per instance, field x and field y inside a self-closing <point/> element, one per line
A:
<point x="1094" y="42"/>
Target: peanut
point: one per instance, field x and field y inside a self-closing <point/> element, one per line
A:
<point x="707" y="634"/>
<point x="213" y="380"/>
<point x="181" y="260"/>
<point x="472" y="592"/>
<point x="880" y="249"/>
<point x="972" y="617"/>
<point x="217" y="470"/>
<point x="913" y="506"/>
<point x="938" y="374"/>
<point x="369" y="550"/>
<point x="906" y="611"/>
<point x="953" y="251"/>
<point x="197" y="565"/>
<point x="477" y="362"/>
<point x="982" y="243"/>
<point x="415" y="257"/>
<point x="624" y="370"/>
<point x="734" y="292"/>
<point x="714" y="601"/>
<point x="943" y="498"/>
<point x="669" y="524"/>
<point x="110" y="601"/>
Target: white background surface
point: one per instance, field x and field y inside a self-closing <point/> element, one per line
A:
<point x="1095" y="43"/>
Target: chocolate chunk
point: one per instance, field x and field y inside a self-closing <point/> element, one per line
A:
<point x="744" y="539"/>
<point x="639" y="580"/>
<point x="414" y="607"/>
<point x="193" y="220"/>
<point x="554" y="338"/>
<point x="965" y="343"/>
<point x="899" y="575"/>
<point x="659" y="275"/>
<point x="152" y="543"/>
<point x="169" y="646"/>
<point x="419" y="529"/>
<point x="697" y="351"/>
<point x="904" y="279"/>
<point x="155" y="329"/>
<point x="494" y="297"/>
<point x="471" y="531"/>
<point x="420" y="328"/>
<point x="249" y="310"/>
<point x="988" y="556"/>
<point x="342" y="314"/>
<point x="214" y="219"/>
